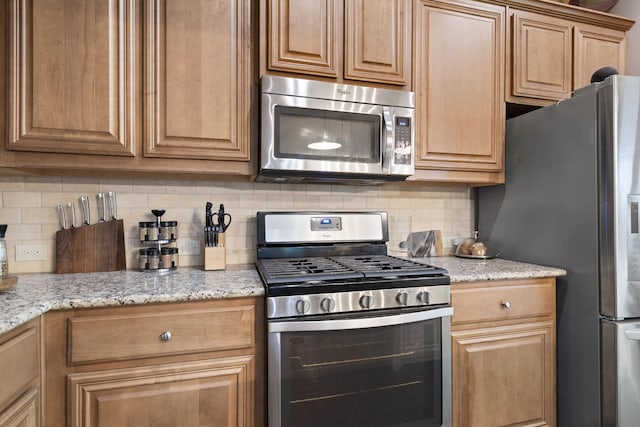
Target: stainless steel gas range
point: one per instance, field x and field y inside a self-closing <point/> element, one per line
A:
<point x="355" y="337"/>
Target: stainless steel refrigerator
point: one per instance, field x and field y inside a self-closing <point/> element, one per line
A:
<point x="571" y="199"/>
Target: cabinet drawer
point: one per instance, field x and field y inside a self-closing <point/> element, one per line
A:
<point x="19" y="365"/>
<point x="502" y="301"/>
<point x="122" y="336"/>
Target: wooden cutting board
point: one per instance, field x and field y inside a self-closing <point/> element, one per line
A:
<point x="91" y="248"/>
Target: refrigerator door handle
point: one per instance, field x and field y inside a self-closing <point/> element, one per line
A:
<point x="633" y="334"/>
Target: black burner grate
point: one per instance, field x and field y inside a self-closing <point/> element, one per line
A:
<point x="284" y="270"/>
<point x="384" y="266"/>
<point x="290" y="270"/>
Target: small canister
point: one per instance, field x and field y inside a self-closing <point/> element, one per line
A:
<point x="166" y="257"/>
<point x="152" y="231"/>
<point x="175" y="257"/>
<point x="169" y="230"/>
<point x="143" y="229"/>
<point x="154" y="258"/>
<point x="143" y="258"/>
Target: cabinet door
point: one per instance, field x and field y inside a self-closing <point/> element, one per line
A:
<point x="195" y="394"/>
<point x="305" y="36"/>
<point x="459" y="85"/>
<point x="378" y="41"/>
<point x="541" y="56"/>
<point x="596" y="47"/>
<point x="504" y="376"/>
<point x="72" y="76"/>
<point x="198" y="79"/>
<point x="23" y="413"/>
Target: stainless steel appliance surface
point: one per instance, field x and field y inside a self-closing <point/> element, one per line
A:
<point x="571" y="199"/>
<point x="315" y="131"/>
<point x="355" y="337"/>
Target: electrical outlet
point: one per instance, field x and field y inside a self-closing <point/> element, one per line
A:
<point x="31" y="252"/>
<point x="189" y="247"/>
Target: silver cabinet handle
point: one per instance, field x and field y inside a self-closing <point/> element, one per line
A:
<point x="165" y="336"/>
<point x="506" y="304"/>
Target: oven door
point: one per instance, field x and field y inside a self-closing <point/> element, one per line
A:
<point x="376" y="371"/>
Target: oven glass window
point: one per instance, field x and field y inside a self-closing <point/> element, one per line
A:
<point x="375" y="377"/>
<point x="303" y="133"/>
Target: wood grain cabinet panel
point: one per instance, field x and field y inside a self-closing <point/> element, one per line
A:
<point x="504" y="376"/>
<point x="378" y="41"/>
<point x="72" y="77"/>
<point x="23" y="413"/>
<point x="139" y="335"/>
<point x="363" y="40"/>
<point x="459" y="85"/>
<point x="198" y="79"/>
<point x="20" y="364"/>
<point x="596" y="47"/>
<point x="304" y="36"/>
<point x="541" y="56"/>
<point x="503" y="349"/>
<point x="198" y="394"/>
<point x="109" y="367"/>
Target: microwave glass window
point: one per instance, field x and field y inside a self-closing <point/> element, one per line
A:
<point x="303" y="133"/>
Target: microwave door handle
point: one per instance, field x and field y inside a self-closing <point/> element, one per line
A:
<point x="388" y="138"/>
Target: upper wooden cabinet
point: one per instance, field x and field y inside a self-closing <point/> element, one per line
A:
<point x="341" y="39"/>
<point x="552" y="54"/>
<point x="459" y="86"/>
<point x="197" y="79"/>
<point x="596" y="47"/>
<point x="76" y="98"/>
<point x="72" y="77"/>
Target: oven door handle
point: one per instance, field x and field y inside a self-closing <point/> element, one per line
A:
<point x="358" y="323"/>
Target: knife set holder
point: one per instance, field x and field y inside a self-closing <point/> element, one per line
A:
<point x="91" y="248"/>
<point x="215" y="257"/>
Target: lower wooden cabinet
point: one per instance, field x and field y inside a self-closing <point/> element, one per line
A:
<point x="503" y="353"/>
<point x="213" y="383"/>
<point x="20" y="364"/>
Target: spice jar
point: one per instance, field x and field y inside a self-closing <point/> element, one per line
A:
<point x="168" y="230"/>
<point x="143" y="230"/>
<point x="154" y="258"/>
<point x="143" y="259"/>
<point x="166" y="257"/>
<point x="152" y="231"/>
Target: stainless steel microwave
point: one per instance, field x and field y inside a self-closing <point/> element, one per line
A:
<point x="315" y="131"/>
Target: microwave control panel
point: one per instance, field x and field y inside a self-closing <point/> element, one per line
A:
<point x="402" y="148"/>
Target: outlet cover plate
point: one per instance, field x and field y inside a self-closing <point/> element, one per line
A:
<point x="33" y="252"/>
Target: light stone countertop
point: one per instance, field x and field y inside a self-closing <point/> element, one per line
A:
<point x="35" y="294"/>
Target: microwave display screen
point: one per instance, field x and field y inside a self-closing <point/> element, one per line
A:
<point x="304" y="133"/>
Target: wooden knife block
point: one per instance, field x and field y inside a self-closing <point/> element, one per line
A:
<point x="91" y="248"/>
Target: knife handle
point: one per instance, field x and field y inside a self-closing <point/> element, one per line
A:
<point x="102" y="207"/>
<point x="112" y="207"/>
<point x="72" y="214"/>
<point x="62" y="218"/>
<point x="85" y="212"/>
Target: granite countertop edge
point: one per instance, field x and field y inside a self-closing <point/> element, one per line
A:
<point x="35" y="294"/>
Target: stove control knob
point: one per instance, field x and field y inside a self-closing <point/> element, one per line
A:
<point x="302" y="306"/>
<point x="402" y="298"/>
<point x="327" y="304"/>
<point x="423" y="297"/>
<point x="366" y="301"/>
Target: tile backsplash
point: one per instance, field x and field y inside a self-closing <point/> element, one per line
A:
<point x="28" y="206"/>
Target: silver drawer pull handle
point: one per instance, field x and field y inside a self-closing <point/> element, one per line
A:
<point x="165" y="336"/>
<point x="506" y="304"/>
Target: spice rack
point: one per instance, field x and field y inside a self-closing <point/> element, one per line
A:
<point x="162" y="255"/>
